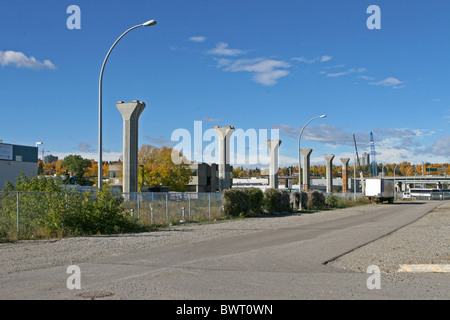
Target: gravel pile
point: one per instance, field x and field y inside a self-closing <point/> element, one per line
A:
<point x="425" y="241"/>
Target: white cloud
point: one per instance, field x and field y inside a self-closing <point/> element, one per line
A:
<point x="338" y="74"/>
<point x="366" y="78"/>
<point x="106" y="156"/>
<point x="309" y="61"/>
<point x="305" y="60"/>
<point x="20" y="60"/>
<point x="265" y="71"/>
<point x="85" y="147"/>
<point x="223" y="50"/>
<point x="197" y="39"/>
<point x="160" y="141"/>
<point x="335" y="66"/>
<point x="324" y="133"/>
<point x="440" y="147"/>
<point x="389" y="82"/>
<point x="206" y="119"/>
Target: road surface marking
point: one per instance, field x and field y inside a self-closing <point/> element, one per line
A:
<point x="424" y="268"/>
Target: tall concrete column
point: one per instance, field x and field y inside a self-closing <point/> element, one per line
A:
<point x="306" y="168"/>
<point x="224" y="133"/>
<point x="130" y="112"/>
<point x="273" y="146"/>
<point x="345" y="174"/>
<point x="329" y="172"/>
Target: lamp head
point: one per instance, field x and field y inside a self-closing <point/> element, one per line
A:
<point x="149" y="23"/>
<point x="323" y="116"/>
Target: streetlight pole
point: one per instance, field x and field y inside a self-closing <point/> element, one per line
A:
<point x="300" y="186"/>
<point x="100" y="138"/>
<point x="395" y="186"/>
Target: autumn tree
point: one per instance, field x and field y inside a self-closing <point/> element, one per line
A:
<point x="92" y="170"/>
<point x="158" y="169"/>
<point x="77" y="166"/>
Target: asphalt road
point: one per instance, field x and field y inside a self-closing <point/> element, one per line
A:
<point x="287" y="262"/>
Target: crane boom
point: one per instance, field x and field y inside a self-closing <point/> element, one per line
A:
<point x="356" y="150"/>
<point x="372" y="155"/>
<point x="358" y="164"/>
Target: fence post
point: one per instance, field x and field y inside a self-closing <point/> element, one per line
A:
<point x="151" y="213"/>
<point x="18" y="219"/>
<point x="189" y="201"/>
<point x="138" y="205"/>
<point x="167" y="208"/>
<point x="209" y="206"/>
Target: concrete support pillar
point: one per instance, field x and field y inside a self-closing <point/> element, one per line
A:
<point x="130" y="112"/>
<point x="306" y="168"/>
<point x="329" y="172"/>
<point x="345" y="174"/>
<point x="224" y="133"/>
<point x="273" y="146"/>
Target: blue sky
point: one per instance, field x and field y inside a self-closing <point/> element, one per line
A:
<point x="250" y="64"/>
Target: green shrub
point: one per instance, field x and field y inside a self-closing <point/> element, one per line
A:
<point x="47" y="209"/>
<point x="316" y="200"/>
<point x="295" y="199"/>
<point x="99" y="212"/>
<point x="256" y="200"/>
<point x="236" y="202"/>
<point x="276" y="201"/>
<point x="332" y="201"/>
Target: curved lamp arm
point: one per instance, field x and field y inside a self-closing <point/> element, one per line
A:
<point x="100" y="160"/>
<point x="300" y="187"/>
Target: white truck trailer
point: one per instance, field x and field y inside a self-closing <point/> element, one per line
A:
<point x="379" y="190"/>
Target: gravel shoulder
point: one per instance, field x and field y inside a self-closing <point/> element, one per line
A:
<point x="424" y="241"/>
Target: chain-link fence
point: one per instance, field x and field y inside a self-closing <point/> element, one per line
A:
<point x="22" y="214"/>
<point x="167" y="208"/>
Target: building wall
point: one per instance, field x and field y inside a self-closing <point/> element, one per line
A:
<point x="205" y="177"/>
<point x="16" y="159"/>
<point x="50" y="158"/>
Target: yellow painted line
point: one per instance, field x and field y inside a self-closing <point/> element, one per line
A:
<point x="442" y="268"/>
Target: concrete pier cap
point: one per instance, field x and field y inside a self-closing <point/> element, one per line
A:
<point x="224" y="134"/>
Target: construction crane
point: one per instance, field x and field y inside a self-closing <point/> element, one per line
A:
<point x="358" y="164"/>
<point x="44" y="151"/>
<point x="372" y="155"/>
